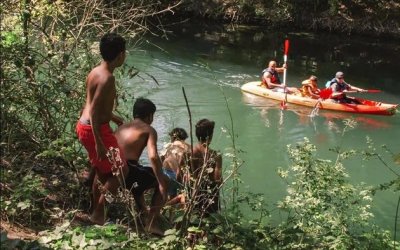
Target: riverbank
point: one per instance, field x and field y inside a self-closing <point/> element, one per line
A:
<point x="47" y="54"/>
<point x="377" y="19"/>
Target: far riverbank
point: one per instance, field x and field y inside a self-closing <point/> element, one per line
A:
<point x="367" y="18"/>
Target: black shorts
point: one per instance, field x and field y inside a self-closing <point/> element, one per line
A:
<point x="139" y="178"/>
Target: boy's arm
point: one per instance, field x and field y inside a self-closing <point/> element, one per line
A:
<point x="96" y="109"/>
<point x="311" y="93"/>
<point x="281" y="69"/>
<point x="117" y="119"/>
<point x="355" y="88"/>
<point x="155" y="162"/>
<point x="268" y="80"/>
<point x="218" y="169"/>
<point x="335" y="92"/>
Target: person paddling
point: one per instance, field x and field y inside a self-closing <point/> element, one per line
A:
<point x="270" y="78"/>
<point x="340" y="87"/>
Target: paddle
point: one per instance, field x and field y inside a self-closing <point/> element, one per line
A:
<point x="365" y="91"/>
<point x="362" y="91"/>
<point x="323" y="95"/>
<point x="286" y="51"/>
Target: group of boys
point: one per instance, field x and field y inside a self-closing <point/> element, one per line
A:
<point x="114" y="156"/>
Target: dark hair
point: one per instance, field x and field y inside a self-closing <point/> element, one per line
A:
<point x="178" y="134"/>
<point x="204" y="130"/>
<point x="111" y="45"/>
<point x="143" y="107"/>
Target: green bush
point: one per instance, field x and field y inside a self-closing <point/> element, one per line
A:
<point x="323" y="209"/>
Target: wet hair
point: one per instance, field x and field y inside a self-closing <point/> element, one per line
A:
<point x="313" y="78"/>
<point x="204" y="130"/>
<point x="143" y="108"/>
<point x="111" y="45"/>
<point x="178" y="134"/>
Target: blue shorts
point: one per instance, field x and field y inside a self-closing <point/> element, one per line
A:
<point x="173" y="184"/>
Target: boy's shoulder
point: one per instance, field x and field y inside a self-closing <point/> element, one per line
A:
<point x="175" y="148"/>
<point x="99" y="75"/>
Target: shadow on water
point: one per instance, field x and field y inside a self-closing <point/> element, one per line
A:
<point x="305" y="117"/>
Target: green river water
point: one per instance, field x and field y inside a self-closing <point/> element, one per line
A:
<point x="213" y="62"/>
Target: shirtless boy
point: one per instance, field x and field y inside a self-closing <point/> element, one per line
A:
<point x="93" y="128"/>
<point x="205" y="157"/>
<point x="133" y="137"/>
<point x="174" y="157"/>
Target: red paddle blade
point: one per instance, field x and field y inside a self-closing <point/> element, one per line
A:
<point x="286" y="46"/>
<point x="325" y="93"/>
<point x="283" y="105"/>
<point x="373" y="91"/>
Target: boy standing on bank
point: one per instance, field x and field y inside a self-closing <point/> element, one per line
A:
<point x="93" y="128"/>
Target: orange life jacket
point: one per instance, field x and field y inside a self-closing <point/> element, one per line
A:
<point x="308" y="84"/>
<point x="274" y="76"/>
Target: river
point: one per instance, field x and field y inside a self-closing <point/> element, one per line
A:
<point x="212" y="63"/>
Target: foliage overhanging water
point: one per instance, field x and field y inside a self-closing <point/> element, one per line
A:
<point x="202" y="60"/>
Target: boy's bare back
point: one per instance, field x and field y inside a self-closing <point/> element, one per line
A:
<point x="100" y="94"/>
<point x="133" y="137"/>
<point x="204" y="155"/>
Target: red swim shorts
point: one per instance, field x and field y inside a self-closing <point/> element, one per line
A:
<point x="86" y="137"/>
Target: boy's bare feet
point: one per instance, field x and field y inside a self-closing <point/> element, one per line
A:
<point x="85" y="219"/>
<point x="152" y="226"/>
<point x="155" y="230"/>
<point x="96" y="220"/>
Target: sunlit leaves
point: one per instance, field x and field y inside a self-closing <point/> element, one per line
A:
<point x="321" y="201"/>
<point x="10" y="39"/>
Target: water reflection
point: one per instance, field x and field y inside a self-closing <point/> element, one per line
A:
<point x="333" y="120"/>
